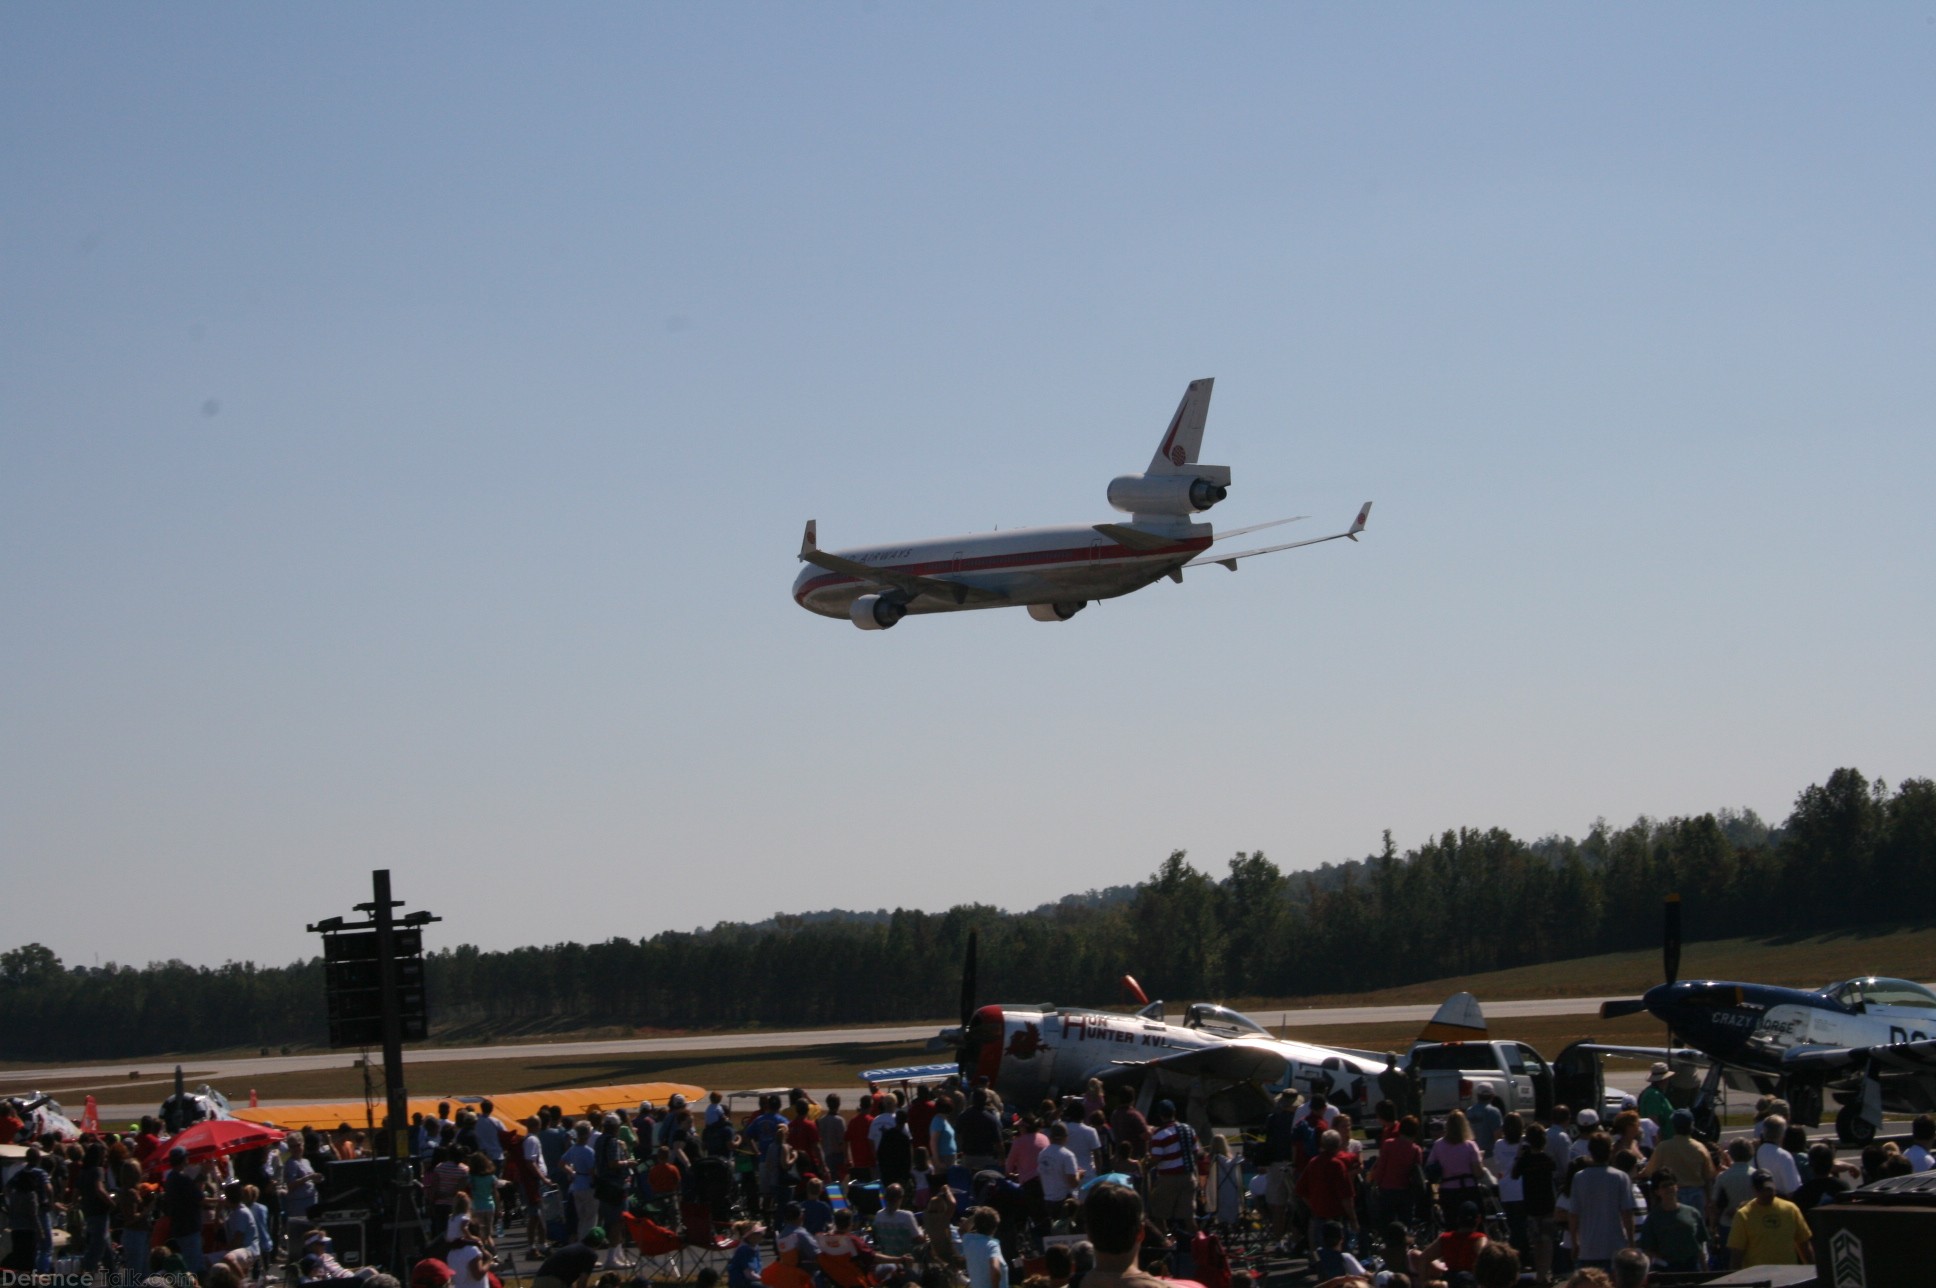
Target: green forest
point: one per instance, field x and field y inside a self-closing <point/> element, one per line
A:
<point x="1850" y="853"/>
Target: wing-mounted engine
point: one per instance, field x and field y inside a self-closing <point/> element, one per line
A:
<point x="1191" y="490"/>
<point x="875" y="612"/>
<point x="1059" y="611"/>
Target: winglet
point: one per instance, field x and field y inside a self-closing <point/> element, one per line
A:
<point x="1357" y="524"/>
<point x="809" y="542"/>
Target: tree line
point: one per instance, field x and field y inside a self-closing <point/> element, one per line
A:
<point x="1466" y="901"/>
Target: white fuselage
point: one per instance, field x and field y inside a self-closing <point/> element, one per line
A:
<point x="1068" y="564"/>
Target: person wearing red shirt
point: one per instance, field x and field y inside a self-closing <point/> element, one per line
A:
<point x="1131" y="1128"/>
<point x="1327" y="1188"/>
<point x="804" y="1135"/>
<point x="1392" y="1175"/>
<point x="920" y="1114"/>
<point x="860" y="1150"/>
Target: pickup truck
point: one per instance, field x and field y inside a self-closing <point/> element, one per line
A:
<point x="1450" y="1074"/>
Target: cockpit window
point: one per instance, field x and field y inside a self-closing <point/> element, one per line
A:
<point x="1898" y="992"/>
<point x="1879" y="991"/>
<point x="1210" y="1015"/>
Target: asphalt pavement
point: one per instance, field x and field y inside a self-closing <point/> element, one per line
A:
<point x="229" y="1068"/>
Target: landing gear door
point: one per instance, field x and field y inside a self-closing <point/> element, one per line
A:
<point x="1579" y="1081"/>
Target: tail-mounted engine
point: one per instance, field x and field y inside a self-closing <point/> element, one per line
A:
<point x="1182" y="494"/>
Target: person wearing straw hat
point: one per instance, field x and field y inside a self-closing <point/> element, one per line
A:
<point x="1654" y="1104"/>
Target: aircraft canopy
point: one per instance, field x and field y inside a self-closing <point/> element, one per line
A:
<point x="1878" y="991"/>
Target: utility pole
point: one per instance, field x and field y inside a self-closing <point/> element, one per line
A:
<point x="375" y="979"/>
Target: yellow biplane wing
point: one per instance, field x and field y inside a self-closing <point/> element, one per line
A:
<point x="510" y="1107"/>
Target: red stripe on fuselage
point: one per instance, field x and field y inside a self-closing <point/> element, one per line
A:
<point x="1015" y="561"/>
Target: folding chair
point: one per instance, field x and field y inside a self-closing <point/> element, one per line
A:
<point x="709" y="1246"/>
<point x="659" y="1249"/>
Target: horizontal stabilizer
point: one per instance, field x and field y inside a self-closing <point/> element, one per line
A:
<point x="1459" y="1019"/>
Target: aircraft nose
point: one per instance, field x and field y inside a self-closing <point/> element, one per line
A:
<point x="1663" y="1000"/>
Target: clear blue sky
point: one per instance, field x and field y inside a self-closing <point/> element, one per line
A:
<point x="408" y="414"/>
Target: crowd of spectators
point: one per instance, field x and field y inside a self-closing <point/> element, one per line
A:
<point x="946" y="1185"/>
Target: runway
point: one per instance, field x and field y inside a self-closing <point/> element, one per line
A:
<point x="224" y="1068"/>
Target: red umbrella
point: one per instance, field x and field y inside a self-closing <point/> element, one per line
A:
<point x="215" y="1137"/>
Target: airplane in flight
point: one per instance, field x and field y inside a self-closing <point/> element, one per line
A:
<point x="1869" y="1041"/>
<point x="1219" y="1065"/>
<point x="1053" y="572"/>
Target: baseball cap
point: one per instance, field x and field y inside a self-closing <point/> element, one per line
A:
<point x="1588" y="1118"/>
<point x="1759" y="1178"/>
<point x="178" y="1153"/>
<point x="595" y="1237"/>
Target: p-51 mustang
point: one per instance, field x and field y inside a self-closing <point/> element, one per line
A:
<point x="1052" y="572"/>
<point x="1869" y="1041"/>
<point x="1219" y="1065"/>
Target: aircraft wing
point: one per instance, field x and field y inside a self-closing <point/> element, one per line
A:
<point x="1239" y="1060"/>
<point x="1684" y="1054"/>
<point x="1258" y="527"/>
<point x="911" y="1073"/>
<point x="1902" y="1057"/>
<point x="1230" y="561"/>
<point x="907" y="583"/>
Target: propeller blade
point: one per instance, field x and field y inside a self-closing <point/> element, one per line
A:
<point x="1670" y="939"/>
<point x="1135" y="990"/>
<point x="1621" y="1007"/>
<point x="968" y="981"/>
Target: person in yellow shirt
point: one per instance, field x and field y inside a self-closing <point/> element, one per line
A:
<point x="1768" y="1230"/>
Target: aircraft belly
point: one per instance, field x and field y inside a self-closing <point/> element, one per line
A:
<point x="1075" y="581"/>
<point x="1084" y="581"/>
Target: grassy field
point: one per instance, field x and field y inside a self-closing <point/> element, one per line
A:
<point x="1806" y="961"/>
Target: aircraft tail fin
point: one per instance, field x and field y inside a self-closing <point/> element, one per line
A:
<point x="1183" y="440"/>
<point x="1458" y="1019"/>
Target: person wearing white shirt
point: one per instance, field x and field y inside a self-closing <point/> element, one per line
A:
<point x="1304" y="1111"/>
<point x="1922" y="1151"/>
<point x="1589" y="1122"/>
<point x="1776" y="1161"/>
<point x="1056" y="1167"/>
<point x="1083" y="1142"/>
<point x="1512" y="1190"/>
<point x="461" y="1256"/>
<point x="533" y="1177"/>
